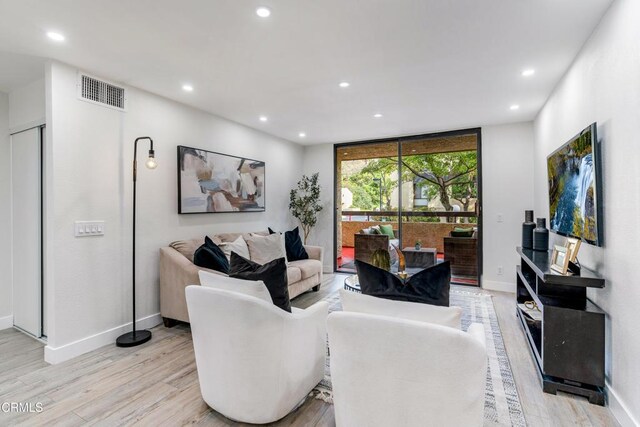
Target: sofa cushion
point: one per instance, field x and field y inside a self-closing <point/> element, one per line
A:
<point x="388" y="230"/>
<point x="293" y="244"/>
<point x="188" y="247"/>
<point x="308" y="267"/>
<point x="238" y="246"/>
<point x="264" y="249"/>
<point x="293" y="274"/>
<point x="230" y="237"/>
<point x="462" y="232"/>
<point x="248" y="287"/>
<point x="273" y="274"/>
<point x="429" y="286"/>
<point x="211" y="256"/>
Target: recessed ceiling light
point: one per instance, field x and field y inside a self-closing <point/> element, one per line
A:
<point x="263" y="118"/>
<point x="344" y="154"/>
<point x="514" y="107"/>
<point x="263" y="12"/>
<point x="187" y="88"/>
<point x="528" y="73"/>
<point x="413" y="151"/>
<point x="344" y="84"/>
<point x="377" y="115"/>
<point x="55" y="36"/>
<point x="302" y="134"/>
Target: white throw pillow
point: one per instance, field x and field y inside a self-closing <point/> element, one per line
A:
<point x="248" y="287"/>
<point x="284" y="245"/>
<point x="238" y="246"/>
<point x="359" y="303"/>
<point x="264" y="249"/>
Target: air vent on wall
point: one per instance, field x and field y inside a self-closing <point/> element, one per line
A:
<point x="101" y="92"/>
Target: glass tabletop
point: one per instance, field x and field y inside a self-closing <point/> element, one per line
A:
<point x="351" y="283"/>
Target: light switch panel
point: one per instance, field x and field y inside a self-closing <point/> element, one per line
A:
<point x="89" y="228"/>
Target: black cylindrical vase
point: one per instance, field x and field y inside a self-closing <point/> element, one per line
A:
<point x="527" y="230"/>
<point x="541" y="235"/>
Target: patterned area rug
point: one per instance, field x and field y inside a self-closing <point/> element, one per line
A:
<point x="502" y="404"/>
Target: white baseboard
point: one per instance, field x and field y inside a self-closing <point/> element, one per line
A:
<point x="6" y="322"/>
<point x="492" y="285"/>
<point x="85" y="345"/>
<point x="619" y="410"/>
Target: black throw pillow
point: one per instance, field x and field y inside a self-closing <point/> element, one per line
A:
<point x="430" y="286"/>
<point x="211" y="256"/>
<point x="273" y="274"/>
<point x="293" y="245"/>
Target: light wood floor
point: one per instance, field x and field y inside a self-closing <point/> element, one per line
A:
<point x="156" y="383"/>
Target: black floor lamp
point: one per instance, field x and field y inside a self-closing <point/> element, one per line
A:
<point x="133" y="338"/>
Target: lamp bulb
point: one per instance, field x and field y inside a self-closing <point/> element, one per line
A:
<point x="151" y="163"/>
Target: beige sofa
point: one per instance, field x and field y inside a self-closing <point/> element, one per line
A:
<point x="177" y="271"/>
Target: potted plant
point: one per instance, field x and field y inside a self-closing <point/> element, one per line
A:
<point x="304" y="203"/>
<point x="418" y="245"/>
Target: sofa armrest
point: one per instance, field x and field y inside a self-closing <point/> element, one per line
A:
<point x="308" y="343"/>
<point x="176" y="273"/>
<point x="318" y="311"/>
<point x="315" y="252"/>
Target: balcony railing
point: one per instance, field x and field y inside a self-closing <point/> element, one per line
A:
<point x="450" y="215"/>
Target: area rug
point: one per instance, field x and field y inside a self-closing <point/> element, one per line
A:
<point x="502" y="404"/>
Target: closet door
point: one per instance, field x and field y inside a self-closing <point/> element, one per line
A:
<point x="26" y="183"/>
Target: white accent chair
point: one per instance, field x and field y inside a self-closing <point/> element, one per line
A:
<point x="255" y="361"/>
<point x="391" y="371"/>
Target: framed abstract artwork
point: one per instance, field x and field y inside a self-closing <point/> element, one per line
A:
<point x="210" y="182"/>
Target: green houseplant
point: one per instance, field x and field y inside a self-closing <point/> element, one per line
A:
<point x="304" y="203"/>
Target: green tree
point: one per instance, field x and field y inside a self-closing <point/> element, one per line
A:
<point x="366" y="191"/>
<point x="452" y="175"/>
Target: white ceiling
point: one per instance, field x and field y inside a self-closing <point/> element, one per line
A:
<point x="18" y="70"/>
<point x="426" y="65"/>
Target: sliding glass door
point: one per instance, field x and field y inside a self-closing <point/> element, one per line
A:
<point x="426" y="188"/>
<point x="367" y="183"/>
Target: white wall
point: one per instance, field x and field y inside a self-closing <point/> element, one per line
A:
<point x="507" y="191"/>
<point x="603" y="86"/>
<point x="319" y="158"/>
<point x="6" y="319"/>
<point x="27" y="106"/>
<point x="90" y="161"/>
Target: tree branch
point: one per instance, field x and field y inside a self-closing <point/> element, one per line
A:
<point x="425" y="177"/>
<point x="469" y="170"/>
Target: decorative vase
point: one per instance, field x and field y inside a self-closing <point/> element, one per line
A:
<point x="418" y="246"/>
<point x="381" y="259"/>
<point x="541" y="235"/>
<point x="527" y="230"/>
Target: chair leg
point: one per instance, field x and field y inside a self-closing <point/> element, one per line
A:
<point x="169" y="323"/>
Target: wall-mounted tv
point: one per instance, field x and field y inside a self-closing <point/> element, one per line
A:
<point x="574" y="188"/>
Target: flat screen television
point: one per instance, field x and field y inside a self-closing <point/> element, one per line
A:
<point x="574" y="188"/>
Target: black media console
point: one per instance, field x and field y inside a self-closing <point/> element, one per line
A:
<point x="566" y="337"/>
